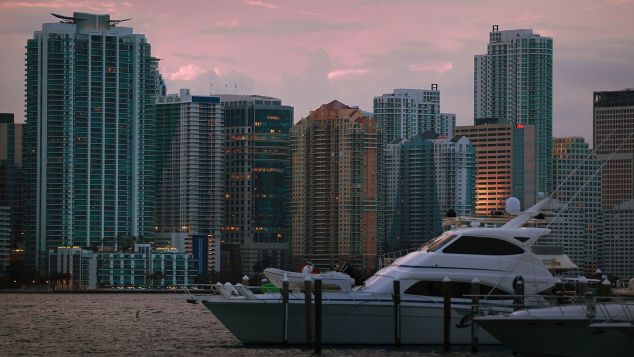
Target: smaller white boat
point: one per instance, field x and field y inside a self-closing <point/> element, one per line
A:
<point x="332" y="280"/>
<point x="593" y="329"/>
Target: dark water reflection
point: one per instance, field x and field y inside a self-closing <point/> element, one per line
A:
<point x="106" y="324"/>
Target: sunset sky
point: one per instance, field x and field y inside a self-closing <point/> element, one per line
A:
<point x="310" y="52"/>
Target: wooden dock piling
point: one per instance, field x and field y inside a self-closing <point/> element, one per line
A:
<point x="318" y="290"/>
<point x="446" y="293"/>
<point x="396" y="294"/>
<point x="308" y="310"/>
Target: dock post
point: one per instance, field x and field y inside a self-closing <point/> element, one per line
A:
<point x="591" y="307"/>
<point x="397" y="313"/>
<point x="318" y="316"/>
<point x="475" y="300"/>
<point x="285" y="308"/>
<point x="446" y="293"/>
<point x="518" y="286"/>
<point x="308" y="312"/>
<point x="245" y="280"/>
<point x="582" y="286"/>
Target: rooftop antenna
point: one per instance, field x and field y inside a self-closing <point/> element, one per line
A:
<point x="211" y="88"/>
<point x="496" y="28"/>
<point x="434" y="86"/>
<point x="225" y="88"/>
<point x="235" y="88"/>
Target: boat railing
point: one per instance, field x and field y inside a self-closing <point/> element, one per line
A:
<point x="595" y="307"/>
<point x="388" y="258"/>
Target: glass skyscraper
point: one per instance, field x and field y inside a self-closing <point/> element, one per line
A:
<point x="513" y="83"/>
<point x="256" y="233"/>
<point x="89" y="157"/>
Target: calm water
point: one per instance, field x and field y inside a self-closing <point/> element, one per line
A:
<point x="87" y="324"/>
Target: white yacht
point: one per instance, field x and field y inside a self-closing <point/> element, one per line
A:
<point x="365" y="315"/>
<point x="602" y="329"/>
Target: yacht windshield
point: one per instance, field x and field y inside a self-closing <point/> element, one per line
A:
<point x="437" y="243"/>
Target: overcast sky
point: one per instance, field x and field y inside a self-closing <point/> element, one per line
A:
<point x="310" y="52"/>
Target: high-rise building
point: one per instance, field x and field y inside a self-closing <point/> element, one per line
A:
<point x="613" y="138"/>
<point x="190" y="167"/>
<point x="455" y="166"/>
<point x="447" y="125"/>
<point x="89" y="158"/>
<point x="513" y="83"/>
<point x="5" y="237"/>
<point x="391" y="179"/>
<point x="576" y="217"/>
<point x="617" y="240"/>
<point x="420" y="217"/>
<point x="505" y="164"/>
<point x="11" y="186"/>
<point x="406" y="113"/>
<point x="256" y="230"/>
<point x="336" y="156"/>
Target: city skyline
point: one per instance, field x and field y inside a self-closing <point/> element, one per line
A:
<point x="386" y="45"/>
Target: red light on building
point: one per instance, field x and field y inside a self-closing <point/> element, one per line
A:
<point x="520" y="126"/>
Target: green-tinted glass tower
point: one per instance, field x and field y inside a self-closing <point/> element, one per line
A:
<point x="88" y="144"/>
<point x="257" y="180"/>
<point x="513" y="83"/>
<point x="419" y="207"/>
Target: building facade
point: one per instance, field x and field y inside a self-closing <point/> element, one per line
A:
<point x="617" y="241"/>
<point x="11" y="177"/>
<point x="513" y="84"/>
<point x="575" y="220"/>
<point x="505" y="164"/>
<point x="76" y="268"/>
<point x="406" y="113"/>
<point x="418" y="201"/>
<point x="391" y="179"/>
<point x="335" y="190"/>
<point x="256" y="231"/>
<point x="613" y="138"/>
<point x="5" y="238"/>
<point x="89" y="137"/>
<point x="190" y="168"/>
<point x="455" y="166"/>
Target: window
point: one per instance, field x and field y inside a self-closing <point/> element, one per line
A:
<point x="482" y="246"/>
<point x="437" y="243"/>
<point x="458" y="289"/>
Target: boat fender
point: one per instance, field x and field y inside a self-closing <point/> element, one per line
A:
<point x="466" y="320"/>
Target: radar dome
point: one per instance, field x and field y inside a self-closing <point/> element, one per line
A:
<point x="512" y="206"/>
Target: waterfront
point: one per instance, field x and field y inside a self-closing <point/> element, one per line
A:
<point x="87" y="324"/>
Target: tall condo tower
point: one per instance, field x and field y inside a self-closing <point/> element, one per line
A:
<point x="256" y="231"/>
<point x="335" y="192"/>
<point x="190" y="167"/>
<point x="11" y="180"/>
<point x="513" y="83"/>
<point x="505" y="164"/>
<point x="575" y="219"/>
<point x="406" y="113"/>
<point x="613" y="138"/>
<point x="89" y="159"/>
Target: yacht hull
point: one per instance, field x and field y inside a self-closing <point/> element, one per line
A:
<point x="564" y="336"/>
<point x="344" y="323"/>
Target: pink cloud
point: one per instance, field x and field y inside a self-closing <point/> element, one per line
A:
<point x="105" y="7"/>
<point x="433" y="67"/>
<point x="187" y="73"/>
<point x="260" y="4"/>
<point x="338" y="73"/>
<point x="311" y="13"/>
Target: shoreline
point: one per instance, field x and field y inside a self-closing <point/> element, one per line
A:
<point x="93" y="291"/>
